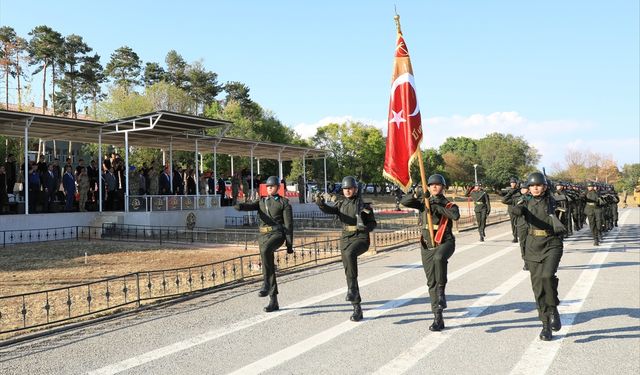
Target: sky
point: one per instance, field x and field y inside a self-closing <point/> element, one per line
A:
<point x="565" y="75"/>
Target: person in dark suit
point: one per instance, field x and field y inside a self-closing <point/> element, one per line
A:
<point x="4" y="198"/>
<point x="69" y="185"/>
<point x="10" y="170"/>
<point x="178" y="181"/>
<point x="164" y="182"/>
<point x="34" y="188"/>
<point x="50" y="185"/>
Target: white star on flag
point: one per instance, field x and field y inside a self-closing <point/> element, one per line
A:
<point x="397" y="118"/>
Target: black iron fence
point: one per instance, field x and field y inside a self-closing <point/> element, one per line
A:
<point x="57" y="306"/>
<point x="322" y="221"/>
<point x="19" y="236"/>
<point x="162" y="234"/>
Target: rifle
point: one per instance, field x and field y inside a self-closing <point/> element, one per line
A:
<point x="558" y="227"/>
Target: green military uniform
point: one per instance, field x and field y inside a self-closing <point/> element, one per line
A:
<point x="510" y="191"/>
<point x="435" y="258"/>
<point x="482" y="209"/>
<point x="276" y="228"/>
<point x="511" y="199"/>
<point x="543" y="252"/>
<point x="355" y="239"/>
<point x="591" y="210"/>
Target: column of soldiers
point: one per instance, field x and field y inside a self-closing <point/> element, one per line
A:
<point x="542" y="215"/>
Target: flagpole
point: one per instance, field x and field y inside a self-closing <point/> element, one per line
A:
<point x="426" y="199"/>
<point x="422" y="170"/>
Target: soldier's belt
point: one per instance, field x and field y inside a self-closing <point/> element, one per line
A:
<point x="540" y="232"/>
<point x="350" y="228"/>
<point x="268" y="229"/>
<point x="478" y="202"/>
<point x="591" y="204"/>
<point x="435" y="227"/>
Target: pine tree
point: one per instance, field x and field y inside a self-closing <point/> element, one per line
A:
<point x="45" y="48"/>
<point x="91" y="77"/>
<point x="124" y="68"/>
<point x="7" y="50"/>
<point x="153" y="73"/>
<point x="74" y="54"/>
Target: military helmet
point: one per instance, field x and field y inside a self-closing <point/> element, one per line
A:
<point x="524" y="185"/>
<point x="272" y="181"/>
<point x="513" y="180"/>
<point x="349" y="182"/>
<point x="591" y="183"/>
<point x="536" y="178"/>
<point x="436" y="179"/>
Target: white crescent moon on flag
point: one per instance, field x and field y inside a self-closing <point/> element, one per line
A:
<point x="406" y="78"/>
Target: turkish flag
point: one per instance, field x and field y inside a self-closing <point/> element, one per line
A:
<point x="405" y="126"/>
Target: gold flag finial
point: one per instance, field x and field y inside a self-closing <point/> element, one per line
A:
<point x="397" y="19"/>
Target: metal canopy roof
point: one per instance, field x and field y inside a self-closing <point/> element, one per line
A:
<point x="154" y="130"/>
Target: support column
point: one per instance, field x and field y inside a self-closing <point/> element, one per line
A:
<point x="100" y="164"/>
<point x="25" y="180"/>
<point x="280" y="165"/>
<point x="197" y="178"/>
<point x="232" y="171"/>
<point x="215" y="167"/>
<point x="126" y="171"/>
<point x="251" y="160"/>
<point x="258" y="161"/>
<point x="325" y="172"/>
<point x="171" y="165"/>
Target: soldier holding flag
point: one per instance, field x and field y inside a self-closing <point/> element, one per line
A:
<point x="436" y="253"/>
<point x="403" y="147"/>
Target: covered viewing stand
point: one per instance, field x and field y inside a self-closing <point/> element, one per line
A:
<point x="153" y="130"/>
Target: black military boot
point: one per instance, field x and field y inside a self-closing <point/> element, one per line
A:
<point x="554" y="320"/>
<point x="438" y="322"/>
<point x="264" y="291"/>
<point x="545" y="334"/>
<point x="514" y="240"/>
<point x="357" y="313"/>
<point x="353" y="290"/>
<point x="525" y="267"/>
<point x="442" y="301"/>
<point x="351" y="295"/>
<point x="273" y="304"/>
<point x="481" y="238"/>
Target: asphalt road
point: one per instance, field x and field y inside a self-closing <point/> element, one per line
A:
<point x="492" y="325"/>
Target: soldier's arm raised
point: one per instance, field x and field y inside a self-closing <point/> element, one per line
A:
<point x="408" y="200"/>
<point x="324" y="207"/>
<point x="251" y="206"/>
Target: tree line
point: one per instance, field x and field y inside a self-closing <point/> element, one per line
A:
<point x="72" y="73"/>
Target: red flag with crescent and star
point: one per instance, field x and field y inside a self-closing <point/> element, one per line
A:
<point x="405" y="126"/>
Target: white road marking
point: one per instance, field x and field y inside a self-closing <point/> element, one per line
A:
<point x="304" y="346"/>
<point x="540" y="354"/>
<point x="220" y="332"/>
<point x="429" y="343"/>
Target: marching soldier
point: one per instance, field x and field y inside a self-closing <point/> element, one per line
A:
<point x="276" y="228"/>
<point x="521" y="225"/>
<point x="513" y="189"/>
<point x="357" y="222"/>
<point x="482" y="207"/>
<point x="435" y="256"/>
<point x="543" y="250"/>
<point x="591" y="211"/>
